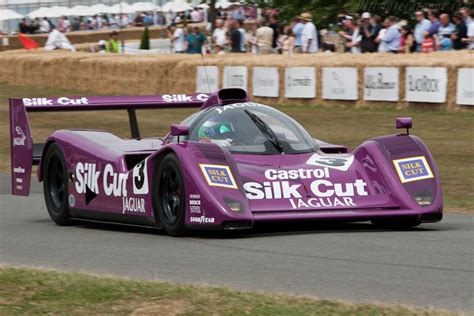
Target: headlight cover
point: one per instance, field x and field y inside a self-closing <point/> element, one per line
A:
<point x="423" y="198"/>
<point x="234" y="206"/>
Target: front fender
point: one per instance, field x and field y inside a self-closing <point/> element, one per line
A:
<point x="212" y="182"/>
<point x="403" y="167"/>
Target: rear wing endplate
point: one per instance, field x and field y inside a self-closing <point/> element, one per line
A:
<point x="24" y="153"/>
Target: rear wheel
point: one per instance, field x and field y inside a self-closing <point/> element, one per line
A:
<point x="397" y="223"/>
<point x="55" y="185"/>
<point x="171" y="196"/>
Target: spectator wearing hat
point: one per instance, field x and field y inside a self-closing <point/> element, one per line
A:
<point x="355" y="39"/>
<point x="309" y="36"/>
<point x="369" y="30"/>
<point x="112" y="45"/>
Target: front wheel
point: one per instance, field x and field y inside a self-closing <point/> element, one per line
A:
<point x="171" y="196"/>
<point x="55" y="185"/>
<point x="396" y="223"/>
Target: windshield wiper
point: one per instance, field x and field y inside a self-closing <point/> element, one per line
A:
<point x="266" y="130"/>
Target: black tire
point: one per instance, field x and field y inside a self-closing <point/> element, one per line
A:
<point x="55" y="185"/>
<point x="171" y="197"/>
<point x="396" y="223"/>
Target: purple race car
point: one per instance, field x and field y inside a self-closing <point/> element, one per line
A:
<point x="228" y="166"/>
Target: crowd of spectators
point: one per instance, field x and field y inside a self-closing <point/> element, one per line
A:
<point x="433" y="31"/>
<point x="246" y="29"/>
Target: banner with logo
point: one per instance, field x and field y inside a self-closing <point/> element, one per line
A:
<point x="465" y="86"/>
<point x="381" y="84"/>
<point x="300" y="82"/>
<point x="340" y="83"/>
<point x="426" y="84"/>
<point x="265" y="82"/>
<point x="207" y="83"/>
<point x="235" y="77"/>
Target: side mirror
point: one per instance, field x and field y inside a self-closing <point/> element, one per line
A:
<point x="404" y="122"/>
<point x="179" y="130"/>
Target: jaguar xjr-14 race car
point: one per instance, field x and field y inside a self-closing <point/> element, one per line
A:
<point x="230" y="165"/>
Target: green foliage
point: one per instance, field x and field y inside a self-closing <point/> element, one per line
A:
<point x="145" y="42"/>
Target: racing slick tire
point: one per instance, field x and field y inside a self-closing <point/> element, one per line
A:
<point x="396" y="223"/>
<point x="55" y="185"/>
<point x="171" y="198"/>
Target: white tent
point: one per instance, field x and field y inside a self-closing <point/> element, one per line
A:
<point x="8" y="14"/>
<point x="176" y="6"/>
<point x="101" y="8"/>
<point x="82" y="10"/>
<point x="203" y="6"/>
<point x="39" y="13"/>
<point x="122" y="7"/>
<point x="56" y="11"/>
<point x="223" y="4"/>
<point x="144" y="6"/>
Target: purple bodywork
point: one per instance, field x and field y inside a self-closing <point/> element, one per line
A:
<point x="389" y="176"/>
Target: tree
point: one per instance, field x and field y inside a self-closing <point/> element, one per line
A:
<point x="145" y="42"/>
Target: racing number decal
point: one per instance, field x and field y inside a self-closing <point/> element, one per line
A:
<point x="340" y="163"/>
<point x="140" y="178"/>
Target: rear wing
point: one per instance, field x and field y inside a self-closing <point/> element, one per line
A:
<point x="25" y="154"/>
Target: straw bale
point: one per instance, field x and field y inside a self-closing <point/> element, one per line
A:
<point x="165" y="73"/>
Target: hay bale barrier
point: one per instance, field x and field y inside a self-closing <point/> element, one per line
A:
<point x="160" y="74"/>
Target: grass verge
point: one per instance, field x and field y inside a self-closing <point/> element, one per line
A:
<point x="35" y="291"/>
<point x="448" y="135"/>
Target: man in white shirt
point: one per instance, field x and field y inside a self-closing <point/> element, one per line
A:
<point x="195" y="16"/>
<point x="57" y="40"/>
<point x="309" y="37"/>
<point x="356" y="37"/>
<point x="176" y="35"/>
<point x="219" y="36"/>
<point x="45" y="27"/>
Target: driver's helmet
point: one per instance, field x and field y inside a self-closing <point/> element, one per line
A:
<point x="215" y="128"/>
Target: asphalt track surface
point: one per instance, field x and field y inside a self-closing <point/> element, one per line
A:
<point x="431" y="266"/>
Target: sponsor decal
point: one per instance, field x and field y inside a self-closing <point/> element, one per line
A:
<point x="222" y="109"/>
<point x="19" y="187"/>
<point x="321" y="192"/>
<point x="20" y="138"/>
<point x="202" y="220"/>
<point x="89" y="180"/>
<point x="195" y="203"/>
<point x="19" y="170"/>
<point x="184" y="97"/>
<point x="218" y="176"/>
<point x="140" y="178"/>
<point x="413" y="169"/>
<point x="334" y="162"/>
<point x="378" y="83"/>
<point x="18" y="180"/>
<point x="423" y="84"/>
<point x="61" y="101"/>
<point x="133" y="205"/>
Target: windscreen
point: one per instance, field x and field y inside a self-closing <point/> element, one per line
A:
<point x="251" y="128"/>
